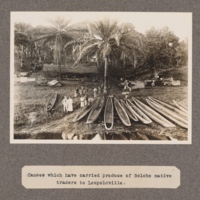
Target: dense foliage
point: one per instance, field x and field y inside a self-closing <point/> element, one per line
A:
<point x="164" y="49"/>
<point x="111" y="45"/>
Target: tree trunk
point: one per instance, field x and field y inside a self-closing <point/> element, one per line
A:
<point x="59" y="65"/>
<point x="124" y="68"/>
<point x="40" y="58"/>
<point x="155" y="72"/>
<point x="64" y="58"/>
<point x="105" y="75"/>
<point x="31" y="52"/>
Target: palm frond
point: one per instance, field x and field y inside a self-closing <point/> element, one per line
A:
<point x="23" y="27"/>
<point x="90" y="42"/>
<point x="60" y="23"/>
<point x="70" y="43"/>
<point x="20" y="34"/>
<point x="43" y="30"/>
<point x="66" y="37"/>
<point x="48" y="39"/>
<point x="104" y="29"/>
<point x="86" y="51"/>
<point x="22" y="38"/>
<point x="94" y="29"/>
<point x="45" y="37"/>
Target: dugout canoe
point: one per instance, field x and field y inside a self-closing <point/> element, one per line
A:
<point x="84" y="111"/>
<point x="140" y="115"/>
<point x="51" y="101"/>
<point x="96" y="110"/>
<point x="129" y="111"/>
<point x="168" y="114"/>
<point x="180" y="106"/>
<point x="109" y="114"/>
<point x="173" y="108"/>
<point x="122" y="113"/>
<point x="153" y="114"/>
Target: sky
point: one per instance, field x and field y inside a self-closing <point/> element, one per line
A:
<point x="179" y="23"/>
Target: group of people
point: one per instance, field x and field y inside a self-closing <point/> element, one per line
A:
<point x="97" y="91"/>
<point x="126" y="84"/>
<point x="67" y="104"/>
<point x="80" y="95"/>
<point x="82" y="92"/>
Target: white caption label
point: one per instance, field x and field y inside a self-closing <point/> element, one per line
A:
<point x="100" y="177"/>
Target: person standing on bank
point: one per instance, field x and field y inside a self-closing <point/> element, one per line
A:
<point x="75" y="93"/>
<point x="84" y="91"/>
<point x="99" y="89"/>
<point x="95" y="92"/>
<point x="90" y="100"/>
<point x="65" y="104"/>
<point x="86" y="99"/>
<point x="82" y="101"/>
<point x="69" y="105"/>
<point x="80" y="91"/>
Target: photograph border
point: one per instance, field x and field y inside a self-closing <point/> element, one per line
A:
<point x="47" y="141"/>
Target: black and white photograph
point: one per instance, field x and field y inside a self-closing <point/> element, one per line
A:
<point x="101" y="77"/>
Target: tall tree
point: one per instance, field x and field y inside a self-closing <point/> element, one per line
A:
<point x="162" y="47"/>
<point x="60" y="32"/>
<point x="24" y="38"/>
<point x="181" y="55"/>
<point x="110" y="41"/>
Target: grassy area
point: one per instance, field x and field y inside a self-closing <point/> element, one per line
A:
<point x="29" y="98"/>
<point x="178" y="73"/>
<point x="81" y="68"/>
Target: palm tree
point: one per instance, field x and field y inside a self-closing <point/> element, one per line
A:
<point x="106" y="37"/>
<point x="60" y="32"/>
<point x="24" y="38"/>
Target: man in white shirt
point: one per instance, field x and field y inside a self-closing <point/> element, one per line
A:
<point x="95" y="92"/>
<point x="82" y="101"/>
<point x="65" y="103"/>
<point x="69" y="105"/>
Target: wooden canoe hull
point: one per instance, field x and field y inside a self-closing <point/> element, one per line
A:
<point x="180" y="106"/>
<point x="140" y="115"/>
<point x="153" y="114"/>
<point x="84" y="111"/>
<point x="122" y="113"/>
<point x="180" y="112"/>
<point x="51" y="101"/>
<point x="168" y="114"/>
<point x="109" y="114"/>
<point x="129" y="111"/>
<point x="96" y="110"/>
